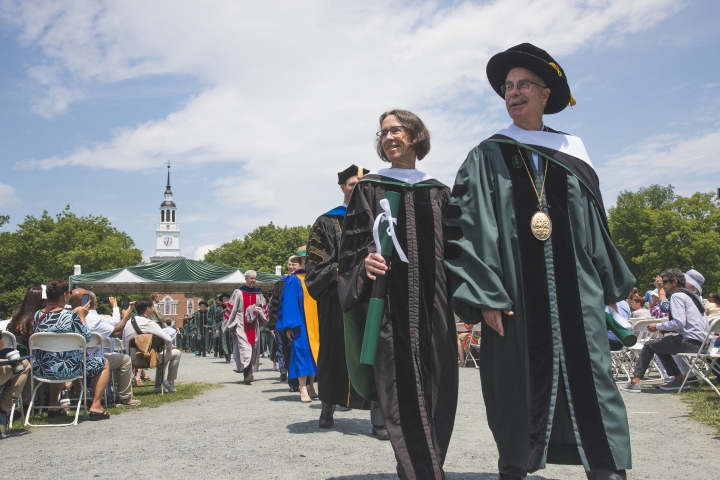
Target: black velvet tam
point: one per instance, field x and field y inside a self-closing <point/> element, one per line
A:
<point x="537" y="60"/>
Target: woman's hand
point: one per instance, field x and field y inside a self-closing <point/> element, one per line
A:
<point x="375" y="265"/>
<point x="290" y="334"/>
<point x="82" y="311"/>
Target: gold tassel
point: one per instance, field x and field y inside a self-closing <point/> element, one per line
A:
<point x="360" y="170"/>
<point x="572" y="101"/>
<point x="556" y="67"/>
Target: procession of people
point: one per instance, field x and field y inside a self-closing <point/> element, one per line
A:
<point x="365" y="317"/>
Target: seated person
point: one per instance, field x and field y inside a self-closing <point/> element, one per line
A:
<point x="55" y="318"/>
<point x="22" y="325"/>
<point x="12" y="385"/>
<point x="120" y="364"/>
<point x="637" y="306"/>
<point x="171" y="357"/>
<point x="687" y="320"/>
<point x="170" y="330"/>
<point x="712" y="304"/>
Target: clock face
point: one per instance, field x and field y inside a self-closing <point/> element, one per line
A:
<point x="167" y="241"/>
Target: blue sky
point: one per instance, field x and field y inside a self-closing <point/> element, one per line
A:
<point x="258" y="106"/>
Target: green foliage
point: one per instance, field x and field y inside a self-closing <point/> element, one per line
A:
<point x="261" y="249"/>
<point x="655" y="229"/>
<point x="45" y="248"/>
<point x="4" y="219"/>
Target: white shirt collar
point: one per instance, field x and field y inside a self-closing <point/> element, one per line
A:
<point x="406" y="175"/>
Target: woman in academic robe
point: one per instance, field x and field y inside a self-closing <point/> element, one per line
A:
<point x="415" y="375"/>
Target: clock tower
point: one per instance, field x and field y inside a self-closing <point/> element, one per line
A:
<point x="167" y="232"/>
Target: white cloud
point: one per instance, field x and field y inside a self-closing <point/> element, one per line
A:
<point x="689" y="164"/>
<point x="201" y="251"/>
<point x="292" y="90"/>
<point x="8" y="197"/>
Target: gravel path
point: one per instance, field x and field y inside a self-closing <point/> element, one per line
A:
<point x="263" y="432"/>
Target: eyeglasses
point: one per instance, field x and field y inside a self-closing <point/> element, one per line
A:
<point x="393" y="131"/>
<point x="666" y="281"/>
<point x="522" y="86"/>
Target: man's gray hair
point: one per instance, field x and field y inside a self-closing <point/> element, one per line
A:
<point x="93" y="300"/>
<point x="674" y="274"/>
<point x="250" y="273"/>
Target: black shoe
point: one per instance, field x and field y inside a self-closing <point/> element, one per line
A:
<point x="504" y="476"/>
<point x="294" y="389"/>
<point x="283" y="376"/>
<point x="326" y="416"/>
<point x="380" y="432"/>
<point x="203" y="354"/>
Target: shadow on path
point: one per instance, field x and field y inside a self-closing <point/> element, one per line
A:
<point x="346" y="426"/>
<point x="449" y="476"/>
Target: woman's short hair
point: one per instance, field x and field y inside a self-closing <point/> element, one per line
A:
<point x="143" y="304"/>
<point x="56" y="288"/>
<point x="714" y="297"/>
<point x="415" y="129"/>
<point x="639" y="299"/>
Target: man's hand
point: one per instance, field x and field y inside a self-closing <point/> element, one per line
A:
<point x="375" y="265"/>
<point x="112" y="302"/>
<point x="658" y="282"/>
<point x="494" y="319"/>
<point x="652" y="327"/>
<point x="290" y="334"/>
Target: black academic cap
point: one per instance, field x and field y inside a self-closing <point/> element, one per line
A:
<point x="351" y="171"/>
<point x="537" y="60"/>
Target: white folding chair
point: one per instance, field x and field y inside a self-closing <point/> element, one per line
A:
<point x="474" y="333"/>
<point x="96" y="340"/>
<point x="57" y="342"/>
<point x="11" y="342"/>
<point x="696" y="360"/>
<point x="640" y="330"/>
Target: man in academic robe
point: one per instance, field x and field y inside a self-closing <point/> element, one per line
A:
<point x="282" y="343"/>
<point x="222" y="341"/>
<point x="321" y="281"/>
<point x="530" y="257"/>
<point x="245" y="310"/>
<point x="203" y="323"/>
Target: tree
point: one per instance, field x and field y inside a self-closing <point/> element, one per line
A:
<point x="4" y="219"/>
<point x="262" y="249"/>
<point x="655" y="229"/>
<point x="45" y="248"/>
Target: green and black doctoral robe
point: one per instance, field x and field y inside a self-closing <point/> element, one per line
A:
<point x="217" y="313"/>
<point x="321" y="266"/>
<point x="203" y="322"/>
<point x="415" y="376"/>
<point x="548" y="390"/>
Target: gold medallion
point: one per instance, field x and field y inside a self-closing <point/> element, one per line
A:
<point x="541" y="225"/>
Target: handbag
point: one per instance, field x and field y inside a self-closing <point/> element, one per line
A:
<point x="147" y="346"/>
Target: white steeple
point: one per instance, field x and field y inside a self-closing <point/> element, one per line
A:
<point x="167" y="232"/>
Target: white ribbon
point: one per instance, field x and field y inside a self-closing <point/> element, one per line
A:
<point x="387" y="215"/>
<point x="44" y="291"/>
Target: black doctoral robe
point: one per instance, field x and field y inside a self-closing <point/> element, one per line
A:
<point x="321" y="266"/>
<point x="416" y="370"/>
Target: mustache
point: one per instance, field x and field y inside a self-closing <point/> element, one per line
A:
<point x="517" y="100"/>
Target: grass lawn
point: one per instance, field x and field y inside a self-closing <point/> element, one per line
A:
<point x="145" y="394"/>
<point x="704" y="405"/>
